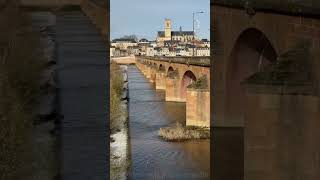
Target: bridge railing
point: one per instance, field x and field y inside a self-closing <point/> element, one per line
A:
<point x="197" y="61"/>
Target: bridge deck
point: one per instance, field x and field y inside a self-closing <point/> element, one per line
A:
<point x="82" y="78"/>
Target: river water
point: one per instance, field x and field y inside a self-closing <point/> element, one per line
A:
<point x="152" y="157"/>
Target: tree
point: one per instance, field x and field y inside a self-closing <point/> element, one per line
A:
<point x="133" y="37"/>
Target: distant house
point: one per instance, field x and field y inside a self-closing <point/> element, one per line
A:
<point x="150" y="51"/>
<point x="116" y="52"/>
<point x="202" y="51"/>
<point x="135" y="50"/>
<point x="123" y="43"/>
<point x="112" y="50"/>
<point x="206" y="43"/>
<point x="144" y="42"/>
<point x="153" y="44"/>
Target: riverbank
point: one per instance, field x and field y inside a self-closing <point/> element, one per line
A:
<point x="119" y="146"/>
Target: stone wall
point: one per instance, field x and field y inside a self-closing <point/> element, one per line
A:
<point x="282" y="31"/>
<point x="281" y="135"/>
<point x="198" y="107"/>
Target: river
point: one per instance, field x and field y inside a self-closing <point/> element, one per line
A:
<point x="152" y="157"/>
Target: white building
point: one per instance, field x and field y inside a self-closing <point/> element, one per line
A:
<point x="112" y="50"/>
<point x="153" y="44"/>
<point x="206" y="43"/>
<point x="123" y="43"/>
<point x="202" y="51"/>
<point x="133" y="50"/>
<point x="164" y="51"/>
<point x="172" y="53"/>
<point x="150" y="51"/>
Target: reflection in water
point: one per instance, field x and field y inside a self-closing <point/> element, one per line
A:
<point x="153" y="158"/>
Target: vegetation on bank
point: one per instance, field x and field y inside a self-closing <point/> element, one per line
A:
<point x="119" y="155"/>
<point x="21" y="65"/>
<point x="116" y="86"/>
<point x="181" y="133"/>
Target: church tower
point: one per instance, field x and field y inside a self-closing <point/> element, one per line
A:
<point x="167" y="29"/>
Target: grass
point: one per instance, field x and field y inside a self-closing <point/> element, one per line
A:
<point x="181" y="133"/>
<point x="116" y="86"/>
<point x="21" y="65"/>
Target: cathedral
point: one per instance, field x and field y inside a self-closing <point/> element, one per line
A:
<point x="169" y="35"/>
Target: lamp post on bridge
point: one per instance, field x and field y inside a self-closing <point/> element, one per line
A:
<point x="199" y="12"/>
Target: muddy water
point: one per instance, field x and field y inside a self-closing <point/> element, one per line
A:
<point x="151" y="157"/>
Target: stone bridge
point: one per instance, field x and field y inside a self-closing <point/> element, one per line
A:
<point x="265" y="79"/>
<point x="185" y="79"/>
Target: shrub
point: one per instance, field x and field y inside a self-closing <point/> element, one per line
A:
<point x="180" y="133"/>
<point x="116" y="87"/>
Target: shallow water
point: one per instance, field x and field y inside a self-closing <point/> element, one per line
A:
<point x="151" y="157"/>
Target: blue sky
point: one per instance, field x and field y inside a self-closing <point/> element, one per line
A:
<point x="145" y="17"/>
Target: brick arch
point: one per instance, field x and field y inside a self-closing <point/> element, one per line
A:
<point x="252" y="51"/>
<point x="187" y="78"/>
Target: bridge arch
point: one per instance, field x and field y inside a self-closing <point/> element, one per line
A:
<point x="170" y="69"/>
<point x="187" y="78"/>
<point x="162" y="68"/>
<point x="251" y="52"/>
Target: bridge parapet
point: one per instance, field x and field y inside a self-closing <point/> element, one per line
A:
<point x="197" y="61"/>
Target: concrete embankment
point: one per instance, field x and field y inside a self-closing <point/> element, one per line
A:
<point x="127" y="60"/>
<point x="119" y="146"/>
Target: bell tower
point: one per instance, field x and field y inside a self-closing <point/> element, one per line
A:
<point x="167" y="29"/>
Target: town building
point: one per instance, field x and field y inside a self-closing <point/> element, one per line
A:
<point x="133" y="50"/>
<point x="169" y="35"/>
<point x="206" y="43"/>
<point x="202" y="51"/>
<point x="150" y="51"/>
<point x="123" y="43"/>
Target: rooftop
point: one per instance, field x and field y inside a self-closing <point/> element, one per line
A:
<point x="143" y="40"/>
<point x="176" y="33"/>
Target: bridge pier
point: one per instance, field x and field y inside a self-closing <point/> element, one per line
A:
<point x="161" y="80"/>
<point x="153" y="72"/>
<point x="198" y="107"/>
<point x="148" y="72"/>
<point x="145" y="69"/>
<point x="173" y="89"/>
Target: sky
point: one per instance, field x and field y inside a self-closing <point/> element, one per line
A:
<point x="145" y="18"/>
